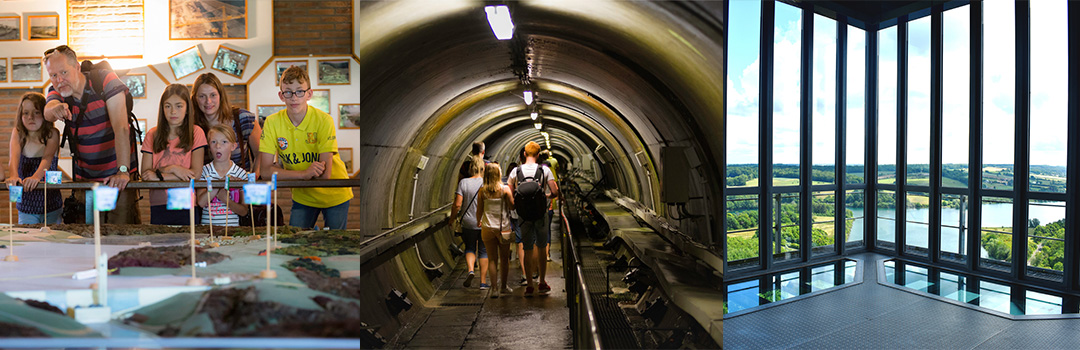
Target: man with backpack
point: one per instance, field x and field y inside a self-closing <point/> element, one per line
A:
<point x="528" y="183"/>
<point x="95" y="106"/>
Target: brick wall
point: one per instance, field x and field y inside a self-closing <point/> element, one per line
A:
<point x="303" y="27"/>
<point x="238" y="96"/>
<point x="98" y="28"/>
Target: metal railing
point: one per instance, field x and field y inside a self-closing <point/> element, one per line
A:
<point x="578" y="298"/>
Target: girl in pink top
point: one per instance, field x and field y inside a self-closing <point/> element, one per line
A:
<point x="173" y="152"/>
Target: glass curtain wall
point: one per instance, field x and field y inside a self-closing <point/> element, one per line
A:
<point x="984" y="243"/>
<point x="743" y="67"/>
<point x="855" y="137"/>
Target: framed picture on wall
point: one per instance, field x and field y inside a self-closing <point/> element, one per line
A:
<point x="10" y="30"/>
<point x="349" y="116"/>
<point x="346" y="157"/>
<point x="136" y="84"/>
<point x="281" y="66"/>
<point x="320" y="99"/>
<point x="230" y="61"/>
<point x="186" y="62"/>
<point x="3" y="69"/>
<point x="25" y="69"/>
<point x="207" y="19"/>
<point x="263" y="111"/>
<point x="334" y="72"/>
<point x="45" y="27"/>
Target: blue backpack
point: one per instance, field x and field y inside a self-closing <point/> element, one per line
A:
<point x="529" y="199"/>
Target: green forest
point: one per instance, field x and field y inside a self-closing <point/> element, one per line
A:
<point x="1041" y="252"/>
<point x="743" y="215"/>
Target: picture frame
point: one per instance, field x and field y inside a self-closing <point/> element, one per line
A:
<point x="320" y="99"/>
<point x="25" y="69"/>
<point x="281" y="66"/>
<point x="186" y="62"/>
<point x="3" y="69"/>
<point x="333" y="72"/>
<point x="43" y="27"/>
<point x="136" y="83"/>
<point x="348" y="115"/>
<point x="263" y="111"/>
<point x="10" y="28"/>
<point x="208" y="19"/>
<point x="346" y="155"/>
<point x="230" y="61"/>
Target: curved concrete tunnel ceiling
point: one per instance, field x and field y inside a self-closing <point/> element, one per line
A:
<point x="632" y="76"/>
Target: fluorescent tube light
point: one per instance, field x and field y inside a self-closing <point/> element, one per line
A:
<point x="499" y="19"/>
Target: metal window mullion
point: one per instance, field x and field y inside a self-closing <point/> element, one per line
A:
<point x="1022" y="145"/>
<point x="975" y="134"/>
<point x="840" y="171"/>
<point x="933" y="239"/>
<point x="1072" y="261"/>
<point x="723" y="155"/>
<point x="870" y="141"/>
<point x="765" y="103"/>
<point x="901" y="134"/>
<point x="806" y="71"/>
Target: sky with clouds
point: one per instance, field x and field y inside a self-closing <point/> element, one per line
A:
<point x="1049" y="86"/>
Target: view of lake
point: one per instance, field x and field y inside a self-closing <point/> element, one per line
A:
<point x="994" y="215"/>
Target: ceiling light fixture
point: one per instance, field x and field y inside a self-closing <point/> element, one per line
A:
<point x="534" y="115"/>
<point x="528" y="95"/>
<point x="538" y="125"/>
<point x="499" y="19"/>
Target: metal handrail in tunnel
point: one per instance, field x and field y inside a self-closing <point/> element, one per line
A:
<point x="577" y="298"/>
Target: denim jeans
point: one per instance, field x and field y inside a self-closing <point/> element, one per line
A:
<point x="31" y="219"/>
<point x="304" y="216"/>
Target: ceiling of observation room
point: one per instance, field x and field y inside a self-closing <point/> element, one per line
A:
<point x="656" y="65"/>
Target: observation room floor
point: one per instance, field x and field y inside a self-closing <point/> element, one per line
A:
<point x="870" y="315"/>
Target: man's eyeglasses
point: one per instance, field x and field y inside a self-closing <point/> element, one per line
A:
<point x="298" y="93"/>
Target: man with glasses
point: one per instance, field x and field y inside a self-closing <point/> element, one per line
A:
<point x="303" y="139"/>
<point x="96" y="113"/>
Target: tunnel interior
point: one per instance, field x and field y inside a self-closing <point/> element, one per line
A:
<point x="614" y="85"/>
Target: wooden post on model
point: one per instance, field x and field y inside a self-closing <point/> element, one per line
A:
<point x="97" y="229"/>
<point x="45" y="207"/>
<point x="194" y="280"/>
<point x="11" y="235"/>
<point x="268" y="273"/>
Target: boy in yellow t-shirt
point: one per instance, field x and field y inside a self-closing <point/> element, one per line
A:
<point x="304" y="141"/>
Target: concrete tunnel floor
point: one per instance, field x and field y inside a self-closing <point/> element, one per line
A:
<point x="467" y="318"/>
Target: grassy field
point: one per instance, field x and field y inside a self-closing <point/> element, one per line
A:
<point x="779" y="181"/>
<point x="947" y="182"/>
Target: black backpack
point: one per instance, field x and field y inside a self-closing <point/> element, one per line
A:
<point x="97" y="83"/>
<point x="529" y="199"/>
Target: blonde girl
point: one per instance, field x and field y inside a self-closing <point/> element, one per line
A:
<point x="494" y="203"/>
<point x="32" y="151"/>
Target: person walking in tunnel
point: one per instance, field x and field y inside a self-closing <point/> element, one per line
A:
<point x="530" y="183"/>
<point x="493" y="204"/>
<point x="304" y="139"/>
<point x="477" y="152"/>
<point x="515" y="221"/>
<point x="470" y="230"/>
